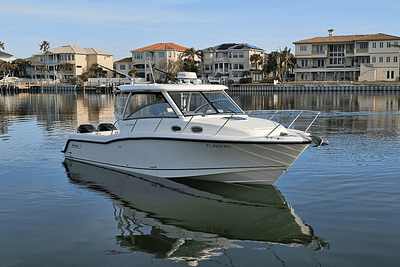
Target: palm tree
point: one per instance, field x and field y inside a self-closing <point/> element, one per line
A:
<point x="279" y="63"/>
<point x="63" y="67"/>
<point x="42" y="69"/>
<point x="2" y="46"/>
<point x="256" y="59"/>
<point x="94" y="71"/>
<point x="191" y="60"/>
<point x="287" y="61"/>
<point x="44" y="46"/>
<point x="22" y="65"/>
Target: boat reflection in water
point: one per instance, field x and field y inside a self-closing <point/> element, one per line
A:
<point x="191" y="220"/>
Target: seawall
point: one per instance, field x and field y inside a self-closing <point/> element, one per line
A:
<point x="249" y="88"/>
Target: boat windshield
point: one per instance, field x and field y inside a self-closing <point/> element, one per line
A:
<point x="147" y="105"/>
<point x="202" y="103"/>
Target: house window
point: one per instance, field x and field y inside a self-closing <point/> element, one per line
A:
<point x="319" y="48"/>
<point x="390" y="74"/>
<point x="303" y="48"/>
<point x="363" y="45"/>
<point x="206" y="67"/>
<point x="169" y="54"/>
<point x="373" y="59"/>
<point x="149" y="55"/>
<point x="161" y="54"/>
<point x="241" y="54"/>
<point x="69" y="57"/>
<point x="395" y="59"/>
<point x="321" y="63"/>
<point x="235" y="55"/>
<point x="387" y="59"/>
<point x="380" y="59"/>
<point x="73" y="57"/>
<point x="381" y="45"/>
<point x="304" y="63"/>
<point x="138" y="56"/>
<point x="122" y="67"/>
<point x="388" y="44"/>
<point x="373" y="45"/>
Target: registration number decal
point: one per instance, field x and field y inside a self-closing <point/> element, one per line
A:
<point x="218" y="146"/>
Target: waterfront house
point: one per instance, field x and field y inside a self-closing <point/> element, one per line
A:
<point x="160" y="55"/>
<point x="123" y="65"/>
<point x="6" y="57"/>
<point x="80" y="58"/>
<point x="232" y="61"/>
<point x="369" y="57"/>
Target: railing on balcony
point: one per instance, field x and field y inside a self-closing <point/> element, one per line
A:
<point x="319" y="52"/>
<point x="362" y="50"/>
<point x="220" y="59"/>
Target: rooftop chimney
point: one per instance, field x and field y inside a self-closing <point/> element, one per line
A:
<point x="330" y="32"/>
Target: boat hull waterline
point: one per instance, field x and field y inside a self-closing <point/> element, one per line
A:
<point x="231" y="162"/>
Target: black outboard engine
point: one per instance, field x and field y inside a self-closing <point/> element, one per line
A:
<point x="86" y="128"/>
<point x="106" y="127"/>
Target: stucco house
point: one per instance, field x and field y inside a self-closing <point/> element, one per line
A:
<point x="80" y="58"/>
<point x="368" y="57"/>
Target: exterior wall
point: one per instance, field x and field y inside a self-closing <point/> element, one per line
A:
<point x="158" y="58"/>
<point x="80" y="58"/>
<point x="81" y="65"/>
<point x="104" y="60"/>
<point x="360" y="60"/>
<point x="231" y="63"/>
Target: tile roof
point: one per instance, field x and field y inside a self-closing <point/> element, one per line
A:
<point x="348" y="38"/>
<point x="73" y="49"/>
<point x="161" y="46"/>
<point x="127" y="59"/>
<point x="231" y="46"/>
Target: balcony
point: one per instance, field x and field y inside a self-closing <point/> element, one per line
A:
<point x="319" y="53"/>
<point x="220" y="59"/>
<point x="362" y="50"/>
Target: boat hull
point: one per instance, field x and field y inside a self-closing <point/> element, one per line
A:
<point x="224" y="161"/>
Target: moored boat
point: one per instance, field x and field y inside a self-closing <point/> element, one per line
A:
<point x="189" y="129"/>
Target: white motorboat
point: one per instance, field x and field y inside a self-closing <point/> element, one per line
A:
<point x="189" y="129"/>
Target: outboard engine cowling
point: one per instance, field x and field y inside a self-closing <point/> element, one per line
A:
<point x="86" y="128"/>
<point x="106" y="127"/>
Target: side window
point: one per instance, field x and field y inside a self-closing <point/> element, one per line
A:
<point x="148" y="106"/>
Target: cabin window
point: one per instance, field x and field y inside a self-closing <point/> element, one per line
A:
<point x="147" y="106"/>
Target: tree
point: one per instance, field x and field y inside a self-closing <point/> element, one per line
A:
<point x="42" y="69"/>
<point x="287" y="62"/>
<point x="133" y="71"/>
<point x="2" y="46"/>
<point x="191" y="60"/>
<point x="21" y="66"/>
<point x="173" y="67"/>
<point x="44" y="46"/>
<point x="256" y="59"/>
<point x="279" y="63"/>
<point x="63" y="67"/>
<point x="94" y="71"/>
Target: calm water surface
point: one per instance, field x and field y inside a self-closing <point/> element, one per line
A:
<point x="337" y="206"/>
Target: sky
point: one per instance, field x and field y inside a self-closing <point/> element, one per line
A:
<point x="119" y="26"/>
